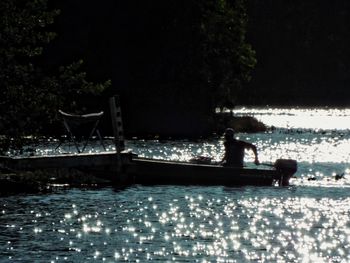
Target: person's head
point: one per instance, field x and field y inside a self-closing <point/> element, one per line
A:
<point x="229" y="133"/>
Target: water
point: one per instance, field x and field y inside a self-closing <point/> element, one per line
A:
<point x="306" y="222"/>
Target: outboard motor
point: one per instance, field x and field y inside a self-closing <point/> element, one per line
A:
<point x="287" y="167"/>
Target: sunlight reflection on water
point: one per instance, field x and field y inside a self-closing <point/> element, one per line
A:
<point x="321" y="153"/>
<point x="304" y="118"/>
<point x="178" y="224"/>
<point x="307" y="222"/>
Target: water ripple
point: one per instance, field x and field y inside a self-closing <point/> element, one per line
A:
<point x="178" y="224"/>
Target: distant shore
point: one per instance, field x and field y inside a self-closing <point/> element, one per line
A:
<point x="246" y="124"/>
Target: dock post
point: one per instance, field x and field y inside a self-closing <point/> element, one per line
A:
<point x="117" y="123"/>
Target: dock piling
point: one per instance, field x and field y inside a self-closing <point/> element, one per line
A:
<point x="117" y="124"/>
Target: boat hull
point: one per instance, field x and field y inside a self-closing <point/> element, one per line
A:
<point x="155" y="172"/>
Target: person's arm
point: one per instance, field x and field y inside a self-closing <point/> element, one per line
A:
<point x="252" y="147"/>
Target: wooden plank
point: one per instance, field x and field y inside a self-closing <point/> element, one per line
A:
<point x="59" y="161"/>
<point x="155" y="172"/>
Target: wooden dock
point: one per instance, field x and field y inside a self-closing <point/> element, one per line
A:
<point x="104" y="164"/>
<point x="81" y="160"/>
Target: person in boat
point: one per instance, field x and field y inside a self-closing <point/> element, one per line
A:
<point x="234" y="150"/>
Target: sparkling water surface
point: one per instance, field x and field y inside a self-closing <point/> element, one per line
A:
<point x="306" y="222"/>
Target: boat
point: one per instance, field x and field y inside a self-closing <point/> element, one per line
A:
<point x="128" y="169"/>
<point x="159" y="172"/>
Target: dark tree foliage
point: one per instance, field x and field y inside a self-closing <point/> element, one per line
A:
<point x="22" y="38"/>
<point x="171" y="61"/>
<point x="190" y="57"/>
<point x="229" y="58"/>
<point x="31" y="95"/>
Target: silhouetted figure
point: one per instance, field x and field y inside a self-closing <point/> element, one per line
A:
<point x="234" y="150"/>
